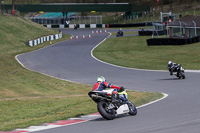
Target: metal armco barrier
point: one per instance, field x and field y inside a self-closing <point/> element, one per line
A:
<point x="40" y="40"/>
<point x="126" y="25"/>
<point x="78" y="26"/>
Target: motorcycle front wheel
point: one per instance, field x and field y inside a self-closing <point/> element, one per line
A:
<point x="132" y="109"/>
<point x="108" y="114"/>
<point x="181" y="75"/>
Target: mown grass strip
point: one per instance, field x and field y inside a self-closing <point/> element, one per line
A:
<point x="25" y="112"/>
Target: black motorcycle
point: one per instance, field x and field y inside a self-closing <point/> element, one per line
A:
<point x="178" y="71"/>
<point x="75" y="27"/>
<point x="108" y="109"/>
<point x="120" y="33"/>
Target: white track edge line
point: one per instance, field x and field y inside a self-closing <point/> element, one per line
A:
<point x="44" y="73"/>
<point x="164" y="96"/>
<point x="128" y="67"/>
<point x="117" y="65"/>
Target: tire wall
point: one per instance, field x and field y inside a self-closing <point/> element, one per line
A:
<point x="172" y="41"/>
<point x="149" y="33"/>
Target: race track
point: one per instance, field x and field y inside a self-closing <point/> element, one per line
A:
<point x="72" y="60"/>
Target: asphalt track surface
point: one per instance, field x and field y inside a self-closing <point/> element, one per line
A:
<point x="72" y="60"/>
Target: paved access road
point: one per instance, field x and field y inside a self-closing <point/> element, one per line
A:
<point x="72" y="60"/>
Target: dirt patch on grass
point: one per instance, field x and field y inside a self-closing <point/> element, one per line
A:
<point x="38" y="97"/>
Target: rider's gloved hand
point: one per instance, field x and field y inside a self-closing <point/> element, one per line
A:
<point x="121" y="89"/>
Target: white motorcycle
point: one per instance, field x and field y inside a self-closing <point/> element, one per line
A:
<point x="107" y="108"/>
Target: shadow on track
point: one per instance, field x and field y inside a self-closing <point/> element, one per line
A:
<point x="171" y="79"/>
<point x="117" y="117"/>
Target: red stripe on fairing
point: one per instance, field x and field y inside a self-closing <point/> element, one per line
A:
<point x="66" y="122"/>
<point x="114" y="92"/>
<point x="15" y="132"/>
<point x="96" y="86"/>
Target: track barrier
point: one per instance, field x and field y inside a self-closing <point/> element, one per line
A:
<point x="172" y="41"/>
<point x="43" y="39"/>
<point x="150" y="33"/>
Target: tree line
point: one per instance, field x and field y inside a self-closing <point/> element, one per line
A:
<point x="151" y="3"/>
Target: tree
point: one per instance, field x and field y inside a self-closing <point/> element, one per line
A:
<point x="170" y="4"/>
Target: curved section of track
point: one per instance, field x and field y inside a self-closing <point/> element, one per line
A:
<point x="71" y="60"/>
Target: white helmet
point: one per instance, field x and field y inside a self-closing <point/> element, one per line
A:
<point x="169" y="62"/>
<point x="101" y="79"/>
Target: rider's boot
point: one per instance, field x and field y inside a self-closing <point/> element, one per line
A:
<point x="171" y="72"/>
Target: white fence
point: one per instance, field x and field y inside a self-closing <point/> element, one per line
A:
<point x="40" y="40"/>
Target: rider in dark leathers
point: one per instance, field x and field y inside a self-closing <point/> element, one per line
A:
<point x="172" y="66"/>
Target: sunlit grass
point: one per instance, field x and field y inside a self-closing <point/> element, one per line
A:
<point x="133" y="52"/>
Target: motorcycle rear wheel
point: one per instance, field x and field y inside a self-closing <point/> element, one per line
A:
<point x="108" y="114"/>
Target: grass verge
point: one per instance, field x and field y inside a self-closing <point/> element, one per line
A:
<point x="133" y="52"/>
<point x="29" y="98"/>
<point x="36" y="110"/>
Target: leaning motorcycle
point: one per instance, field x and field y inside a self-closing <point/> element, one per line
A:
<point x="179" y="72"/>
<point x="120" y="33"/>
<point x="107" y="108"/>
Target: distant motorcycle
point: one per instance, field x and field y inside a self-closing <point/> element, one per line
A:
<point x="107" y="108"/>
<point x="75" y="27"/>
<point x="178" y="71"/>
<point x="120" y="33"/>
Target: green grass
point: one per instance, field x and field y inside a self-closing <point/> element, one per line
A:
<point x="30" y="98"/>
<point x="34" y="111"/>
<point x="133" y="52"/>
